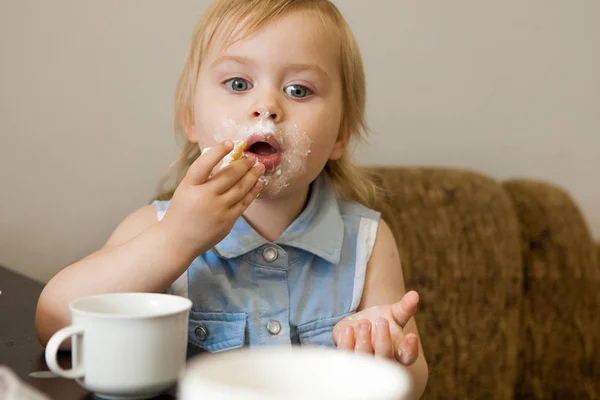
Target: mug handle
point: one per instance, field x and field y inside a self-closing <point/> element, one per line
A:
<point x="52" y="350"/>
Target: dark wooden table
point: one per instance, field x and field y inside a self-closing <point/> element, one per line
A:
<point x="19" y="347"/>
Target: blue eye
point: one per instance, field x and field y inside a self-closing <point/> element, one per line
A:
<point x="238" y="84"/>
<point x="298" y="91"/>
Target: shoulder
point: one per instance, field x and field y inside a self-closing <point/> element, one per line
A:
<point x="385" y="245"/>
<point x="384" y="281"/>
<point x="134" y="224"/>
<point x="353" y="209"/>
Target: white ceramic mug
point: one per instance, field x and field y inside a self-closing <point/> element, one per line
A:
<point x="271" y="373"/>
<point x="124" y="345"/>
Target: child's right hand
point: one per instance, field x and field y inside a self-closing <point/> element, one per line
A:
<point x="204" y="208"/>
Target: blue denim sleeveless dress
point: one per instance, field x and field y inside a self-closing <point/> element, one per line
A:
<point x="249" y="291"/>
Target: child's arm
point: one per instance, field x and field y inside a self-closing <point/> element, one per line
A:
<point x="144" y="255"/>
<point x="386" y="310"/>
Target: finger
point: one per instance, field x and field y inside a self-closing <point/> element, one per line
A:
<point x="239" y="208"/>
<point x="347" y="340"/>
<point x="226" y="178"/>
<point x="200" y="170"/>
<point x="408" y="351"/>
<point x="404" y="310"/>
<point x="336" y="334"/>
<point x="239" y="190"/>
<point x="383" y="339"/>
<point x="363" y="338"/>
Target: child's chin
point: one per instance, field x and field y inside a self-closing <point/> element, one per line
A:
<point x="281" y="186"/>
<point x="274" y="186"/>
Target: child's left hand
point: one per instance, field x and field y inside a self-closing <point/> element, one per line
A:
<point x="380" y="330"/>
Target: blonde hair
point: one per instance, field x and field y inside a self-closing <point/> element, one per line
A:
<point x="349" y="181"/>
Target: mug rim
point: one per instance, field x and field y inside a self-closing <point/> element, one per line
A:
<point x="75" y="305"/>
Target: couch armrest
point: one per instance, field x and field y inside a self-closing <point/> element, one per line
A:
<point x="458" y="237"/>
<point x="560" y="349"/>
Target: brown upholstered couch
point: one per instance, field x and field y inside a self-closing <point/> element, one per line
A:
<point x="509" y="278"/>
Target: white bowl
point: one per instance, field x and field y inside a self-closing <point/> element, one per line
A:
<point x="270" y="373"/>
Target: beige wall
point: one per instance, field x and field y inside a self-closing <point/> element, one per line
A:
<point x="510" y="88"/>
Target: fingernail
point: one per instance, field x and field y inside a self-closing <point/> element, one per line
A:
<point x="412" y="340"/>
<point x="405" y="357"/>
<point x="258" y="186"/>
<point x="228" y="143"/>
<point x="405" y="352"/>
<point x="380" y="323"/>
<point x="348" y="331"/>
<point x="364" y="329"/>
<point x="259" y="167"/>
<point x="206" y="150"/>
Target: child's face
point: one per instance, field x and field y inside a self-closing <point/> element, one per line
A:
<point x="280" y="88"/>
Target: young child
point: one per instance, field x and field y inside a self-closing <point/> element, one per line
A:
<point x="279" y="246"/>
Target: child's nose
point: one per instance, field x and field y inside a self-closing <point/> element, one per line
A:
<point x="266" y="105"/>
<point x="266" y="114"/>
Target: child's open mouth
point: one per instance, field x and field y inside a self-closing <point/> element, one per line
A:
<point x="264" y="148"/>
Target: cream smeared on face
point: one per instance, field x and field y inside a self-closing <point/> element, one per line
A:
<point x="284" y="153"/>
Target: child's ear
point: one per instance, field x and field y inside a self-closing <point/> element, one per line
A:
<point x="340" y="146"/>
<point x="190" y="132"/>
